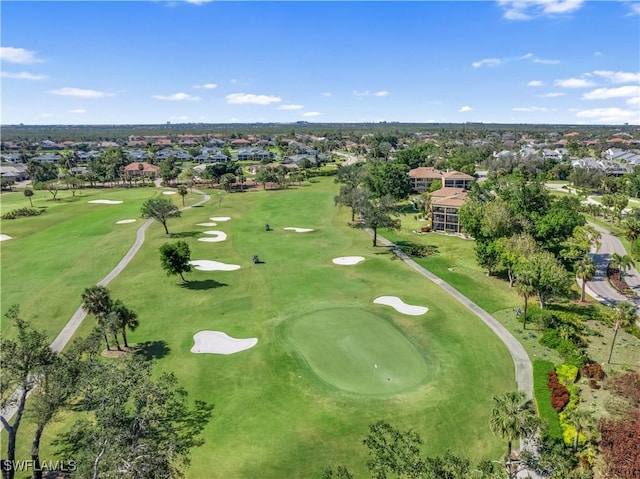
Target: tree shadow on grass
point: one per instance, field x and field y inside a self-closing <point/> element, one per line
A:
<point x="202" y="285"/>
<point x="153" y="350"/>
<point x="185" y="234"/>
<point x="197" y="206"/>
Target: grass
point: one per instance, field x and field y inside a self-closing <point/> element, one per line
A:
<point x="283" y="408"/>
<point x="542" y="394"/>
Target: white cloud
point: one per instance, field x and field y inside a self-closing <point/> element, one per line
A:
<point x="80" y="92"/>
<point x="78" y="110"/>
<point x="530" y="108"/>
<point x="546" y="61"/>
<point x="381" y="93"/>
<point x="198" y="2"/>
<point x="635" y="8"/>
<point x="553" y="94"/>
<point x="311" y="114"/>
<point x="327" y="94"/>
<point x="465" y="109"/>
<point x="606" y="93"/>
<point x="251" y="99"/>
<point x="535" y="83"/>
<point x="207" y="86"/>
<point x="368" y="93"/>
<point x="290" y="107"/>
<point x="181" y="96"/>
<point x="18" y="55"/>
<point x="574" y="83"/>
<point x="179" y="118"/>
<point x="609" y="115"/>
<point x="487" y="62"/>
<point x="634" y="101"/>
<point x="46" y="115"/>
<point x="361" y="93"/>
<point x="528" y="9"/>
<point x="618" y="77"/>
<point x="22" y="76"/>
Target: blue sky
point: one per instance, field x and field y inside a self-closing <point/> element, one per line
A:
<point x="526" y="61"/>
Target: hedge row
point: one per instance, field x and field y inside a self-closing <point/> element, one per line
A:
<point x="542" y="393"/>
<point x="21" y="212"/>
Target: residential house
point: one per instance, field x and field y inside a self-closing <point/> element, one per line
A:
<point x="141" y="168"/>
<point x="139" y="155"/>
<point x="422" y="178"/>
<point x="254" y="154"/>
<point x="13" y="172"/>
<point x="445" y="204"/>
<point x="47" y="158"/>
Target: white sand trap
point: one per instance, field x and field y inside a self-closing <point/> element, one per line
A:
<point x="168" y="192"/>
<point x="4" y="237"/>
<point x="219" y="236"/>
<point x="124" y="222"/>
<point x="400" y="306"/>
<point x="298" y="230"/>
<point x="217" y="342"/>
<point x="207" y="265"/>
<point x="106" y="202"/>
<point x="220" y="218"/>
<point x="348" y="260"/>
<point x="207" y="224"/>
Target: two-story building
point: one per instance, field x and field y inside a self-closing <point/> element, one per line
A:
<point x="445" y="204"/>
<point x="422" y="178"/>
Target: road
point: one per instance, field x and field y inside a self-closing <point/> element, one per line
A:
<point x="599" y="288"/>
<point x="74" y="323"/>
<point x="350" y="159"/>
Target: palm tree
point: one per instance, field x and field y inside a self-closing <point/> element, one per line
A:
<point x="96" y="300"/>
<point x="29" y="193"/>
<point x="124" y="318"/>
<point x="526" y="289"/>
<point x="585" y="270"/>
<point x="631" y="229"/>
<point x="623" y="315"/>
<point x="182" y="191"/>
<point x="513" y="417"/>
<point x="621" y="262"/>
<point x="580" y="419"/>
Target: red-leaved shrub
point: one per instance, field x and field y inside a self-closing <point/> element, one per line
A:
<point x="592" y="371"/>
<point x="559" y="394"/>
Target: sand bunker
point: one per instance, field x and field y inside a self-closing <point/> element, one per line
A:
<point x="298" y="230"/>
<point x="217" y="342"/>
<point x="348" y="260"/>
<point x="207" y="224"/>
<point x="219" y="236"/>
<point x="168" y="192"/>
<point x="400" y="306"/>
<point x="220" y="218"/>
<point x="207" y="265"/>
<point x="4" y="237"/>
<point x="124" y="222"/>
<point x="106" y="202"/>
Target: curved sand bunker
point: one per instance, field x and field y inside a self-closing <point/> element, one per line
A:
<point x="348" y="260"/>
<point x="106" y="202"/>
<point x="400" y="306"/>
<point x="168" y="192"/>
<point x="4" y="237"/>
<point x="220" y="218"/>
<point x="298" y="230"/>
<point x="219" y="236"/>
<point x="217" y="342"/>
<point x="124" y="222"/>
<point x="206" y="224"/>
<point x="207" y="265"/>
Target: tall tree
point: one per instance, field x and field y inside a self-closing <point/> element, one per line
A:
<point x="525" y="286"/>
<point x="585" y="270"/>
<point x="28" y="193"/>
<point x="137" y="426"/>
<point x="97" y="300"/>
<point x="631" y="229"/>
<point x="515" y="249"/>
<point x="392" y="452"/>
<point x="175" y="257"/>
<point x="581" y="420"/>
<point x="387" y="179"/>
<point x="123" y="318"/>
<point x="621" y="262"/>
<point x="513" y="417"/>
<point x="379" y="213"/>
<point x="22" y="359"/>
<point x="160" y="209"/>
<point x="623" y="315"/>
<point x="547" y="276"/>
<point x="182" y="191"/>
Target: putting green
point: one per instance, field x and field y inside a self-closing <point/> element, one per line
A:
<point x="357" y="351"/>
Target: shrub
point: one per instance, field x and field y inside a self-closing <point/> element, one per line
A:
<point x="419" y="250"/>
<point x="21" y="212"/>
<point x="559" y="393"/>
<point x="542" y="393"/>
<point x="567" y="374"/>
<point x="592" y="371"/>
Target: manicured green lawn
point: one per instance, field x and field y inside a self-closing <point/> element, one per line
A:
<point x="288" y="407"/>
